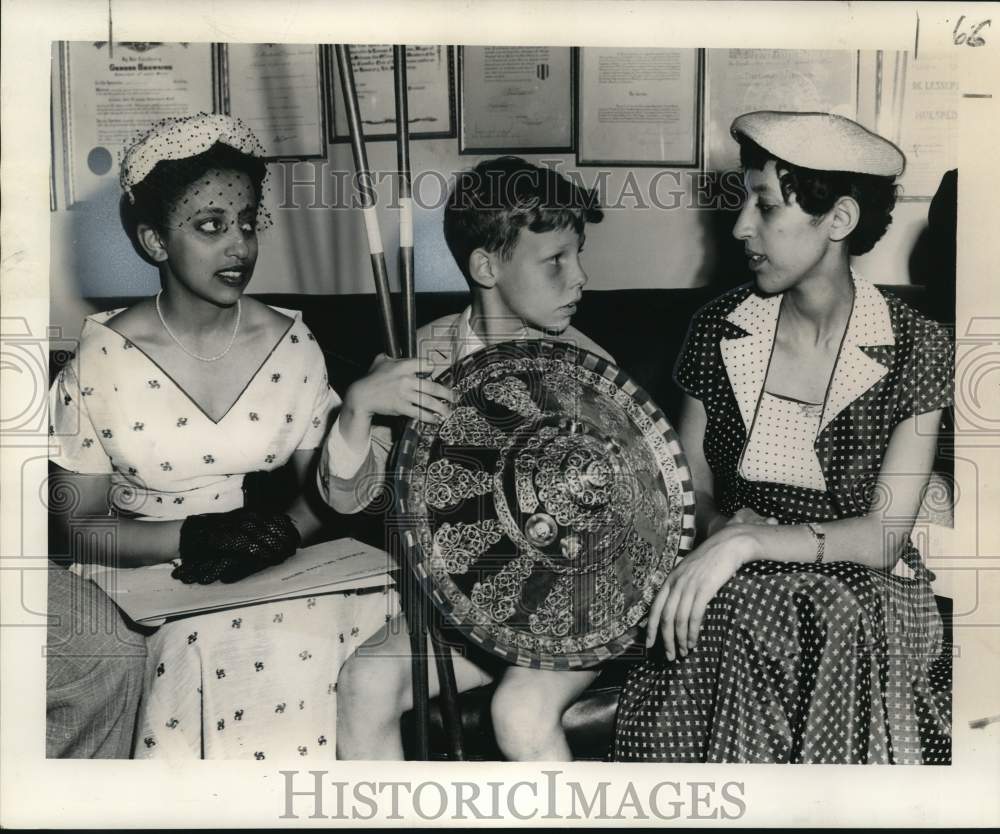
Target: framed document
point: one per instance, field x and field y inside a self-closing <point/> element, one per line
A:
<point x="111" y="92"/>
<point x="918" y="109"/>
<point x="277" y="89"/>
<point x="743" y="80"/>
<point x="515" y="98"/>
<point x="55" y="151"/>
<point x="430" y="74"/>
<point x="640" y="107"/>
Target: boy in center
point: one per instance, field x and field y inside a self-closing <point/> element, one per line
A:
<point x="516" y="232"/>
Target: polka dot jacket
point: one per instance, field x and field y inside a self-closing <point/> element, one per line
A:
<point x="797" y="662"/>
<point x="893" y="364"/>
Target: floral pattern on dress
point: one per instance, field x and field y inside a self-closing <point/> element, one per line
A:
<point x="153" y="439"/>
<point x="214" y="682"/>
<point x="259" y="690"/>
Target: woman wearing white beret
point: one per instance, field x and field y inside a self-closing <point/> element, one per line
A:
<point x="803" y="627"/>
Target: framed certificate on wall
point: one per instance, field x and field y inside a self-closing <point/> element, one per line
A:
<point x="430" y="73"/>
<point x="516" y="98"/>
<point x="640" y="107"/>
<point x="277" y="89"/>
<point x="743" y="80"/>
<point x="113" y="91"/>
<point x="918" y="103"/>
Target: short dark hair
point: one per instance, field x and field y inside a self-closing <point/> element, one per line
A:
<point x="491" y="203"/>
<point x="155" y="196"/>
<point x="817" y="191"/>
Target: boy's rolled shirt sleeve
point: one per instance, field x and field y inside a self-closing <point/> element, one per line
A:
<point x="344" y="461"/>
<point x="349" y="480"/>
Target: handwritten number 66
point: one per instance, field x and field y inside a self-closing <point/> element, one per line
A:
<point x="973" y="38"/>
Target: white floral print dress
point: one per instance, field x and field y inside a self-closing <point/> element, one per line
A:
<point x="257" y="682"/>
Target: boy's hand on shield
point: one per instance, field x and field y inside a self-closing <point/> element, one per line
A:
<point x="400" y="387"/>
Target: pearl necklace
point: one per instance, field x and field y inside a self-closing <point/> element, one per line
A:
<point x="191" y="353"/>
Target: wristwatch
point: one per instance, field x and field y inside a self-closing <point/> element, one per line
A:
<point x="820" y="537"/>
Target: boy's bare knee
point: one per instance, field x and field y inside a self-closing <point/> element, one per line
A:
<point x="373" y="691"/>
<point x="352" y="683"/>
<point x="367" y="682"/>
<point x="372" y="683"/>
<point x="523" y="719"/>
<point x="354" y="678"/>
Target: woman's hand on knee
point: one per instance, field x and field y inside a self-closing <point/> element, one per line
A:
<point x="745" y="515"/>
<point x="679" y="607"/>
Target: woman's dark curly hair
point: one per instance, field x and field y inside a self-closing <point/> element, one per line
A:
<point x="817" y="191"/>
<point x="156" y="196"/>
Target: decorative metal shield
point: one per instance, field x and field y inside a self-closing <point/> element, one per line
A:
<point x="545" y="513"/>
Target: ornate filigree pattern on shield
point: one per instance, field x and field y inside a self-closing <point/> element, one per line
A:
<point x="642" y="554"/>
<point x="609" y="599"/>
<point x="499" y="595"/>
<point x="449" y="483"/>
<point x="578" y="486"/>
<point x="554" y="617"/>
<point x="567" y="390"/>
<point x="512" y="393"/>
<point x="467" y="427"/>
<point x="527" y="498"/>
<point x="458" y="546"/>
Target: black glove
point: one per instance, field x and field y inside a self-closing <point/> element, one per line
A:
<point x="231" y="546"/>
<point x="269" y="490"/>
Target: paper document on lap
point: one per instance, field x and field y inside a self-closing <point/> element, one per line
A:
<point x="150" y="596"/>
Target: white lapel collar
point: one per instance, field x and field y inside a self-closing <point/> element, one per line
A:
<point x="856" y="371"/>
<point x="747" y="357"/>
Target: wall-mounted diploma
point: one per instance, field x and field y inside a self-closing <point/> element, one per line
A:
<point x="429" y="82"/>
<point x="743" y="80"/>
<point x="918" y="109"/>
<point x="516" y="98"/>
<point x="113" y="91"/>
<point x="640" y="107"/>
<point x="277" y="89"/>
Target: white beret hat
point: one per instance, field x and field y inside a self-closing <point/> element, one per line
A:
<point x="820" y="141"/>
<point x="182" y="137"/>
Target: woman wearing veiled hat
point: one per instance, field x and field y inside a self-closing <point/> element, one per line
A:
<point x="165" y="409"/>
<point x="803" y="627"/>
